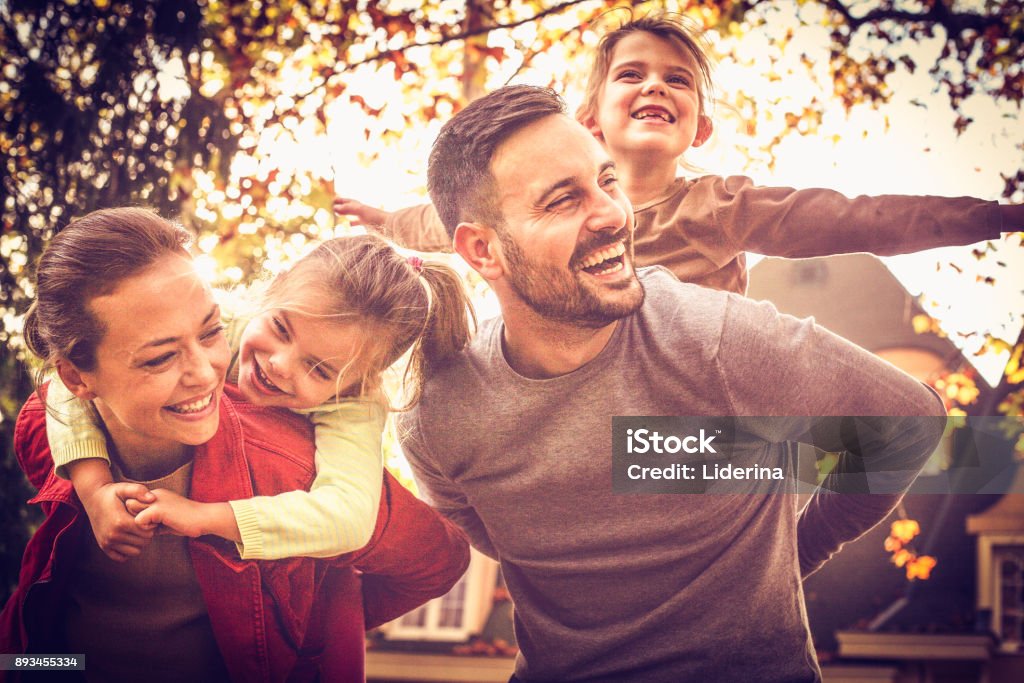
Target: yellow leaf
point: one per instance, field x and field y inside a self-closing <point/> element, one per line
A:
<point x="920" y="567"/>
<point x="922" y="323"/>
<point x="905" y="529"/>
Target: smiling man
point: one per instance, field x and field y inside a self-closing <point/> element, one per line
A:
<point x="513" y="439"/>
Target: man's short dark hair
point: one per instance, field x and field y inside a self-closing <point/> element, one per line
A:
<point x="459" y="173"/>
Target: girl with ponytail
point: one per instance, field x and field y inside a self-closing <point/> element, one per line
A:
<point x="325" y="332"/>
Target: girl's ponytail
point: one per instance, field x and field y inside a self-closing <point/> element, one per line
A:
<point x="448" y="326"/>
<point x="399" y="303"/>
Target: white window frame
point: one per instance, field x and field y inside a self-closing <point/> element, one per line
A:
<point x="477" y="586"/>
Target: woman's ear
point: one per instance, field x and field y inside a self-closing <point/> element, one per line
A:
<point x="479" y="246"/>
<point x="704" y="129"/>
<point x="74" y="380"/>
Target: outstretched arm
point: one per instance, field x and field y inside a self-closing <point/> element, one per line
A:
<point x="415" y="227"/>
<point x="781" y="221"/>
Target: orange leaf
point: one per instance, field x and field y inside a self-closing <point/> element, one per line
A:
<point x="921" y="567"/>
<point x="902" y="557"/>
<point x="905" y="529"/>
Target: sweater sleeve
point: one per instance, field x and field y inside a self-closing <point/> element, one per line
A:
<point x="72" y="429"/>
<point x="884" y="423"/>
<point x="443" y="494"/>
<point x="338" y="514"/>
<point x="419" y="228"/>
<point x="781" y="221"/>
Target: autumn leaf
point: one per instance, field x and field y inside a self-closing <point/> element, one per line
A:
<point x="920" y="567"/>
<point x="902" y="557"/>
<point x="905" y="529"/>
<point x="922" y="323"/>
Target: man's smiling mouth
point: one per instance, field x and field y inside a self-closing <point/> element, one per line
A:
<point x="606" y="260"/>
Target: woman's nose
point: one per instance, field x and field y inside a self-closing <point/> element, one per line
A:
<point x="201" y="369"/>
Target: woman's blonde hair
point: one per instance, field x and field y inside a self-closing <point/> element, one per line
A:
<point x="398" y="303"/>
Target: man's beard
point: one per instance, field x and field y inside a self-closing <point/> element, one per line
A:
<point x="560" y="294"/>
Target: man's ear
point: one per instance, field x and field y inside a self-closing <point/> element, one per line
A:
<point x="588" y="119"/>
<point x="74" y="380"/>
<point x="704" y="129"/>
<point x="479" y="246"/>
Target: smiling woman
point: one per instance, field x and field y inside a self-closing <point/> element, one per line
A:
<point x="153" y="368"/>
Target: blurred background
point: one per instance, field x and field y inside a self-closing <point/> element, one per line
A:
<point x="243" y="120"/>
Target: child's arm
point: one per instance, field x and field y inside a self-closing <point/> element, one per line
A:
<point x="778" y="221"/>
<point x="416" y="227"/>
<point x="185" y="517"/>
<point x="337" y="515"/>
<point x="79" y="451"/>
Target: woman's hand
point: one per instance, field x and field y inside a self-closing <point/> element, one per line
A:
<point x="181" y="516"/>
<point x="117" y="532"/>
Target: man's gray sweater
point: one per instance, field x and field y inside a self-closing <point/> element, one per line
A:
<point x="668" y="587"/>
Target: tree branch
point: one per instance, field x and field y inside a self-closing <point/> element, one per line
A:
<point x="462" y="35"/>
<point x="939" y="13"/>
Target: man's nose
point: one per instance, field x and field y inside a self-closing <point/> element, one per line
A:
<point x="607" y="212"/>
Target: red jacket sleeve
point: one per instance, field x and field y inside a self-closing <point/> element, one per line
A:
<point x="414" y="555"/>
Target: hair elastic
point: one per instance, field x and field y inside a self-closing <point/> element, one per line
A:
<point x="416" y="262"/>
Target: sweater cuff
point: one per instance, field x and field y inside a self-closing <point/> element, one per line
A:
<point x="78" y="450"/>
<point x="251" y="547"/>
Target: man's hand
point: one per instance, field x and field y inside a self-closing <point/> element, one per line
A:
<point x="361" y="214"/>
<point x="117" y="533"/>
<point x="181" y="516"/>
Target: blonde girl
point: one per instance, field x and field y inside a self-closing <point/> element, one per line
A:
<point x="648" y="102"/>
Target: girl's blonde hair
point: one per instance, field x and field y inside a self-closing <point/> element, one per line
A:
<point x="399" y="303"/>
<point x="668" y="25"/>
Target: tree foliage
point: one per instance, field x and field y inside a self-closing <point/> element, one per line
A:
<point x="172" y="103"/>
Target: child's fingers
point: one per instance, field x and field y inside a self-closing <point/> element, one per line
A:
<point x="150" y="518"/>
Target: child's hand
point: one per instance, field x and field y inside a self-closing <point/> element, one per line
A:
<point x="181" y="516"/>
<point x="368" y="216"/>
<point x="117" y="533"/>
<point x="178" y="515"/>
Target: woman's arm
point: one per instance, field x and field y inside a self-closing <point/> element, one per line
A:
<point x="415" y="555"/>
<point x="79" y="449"/>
